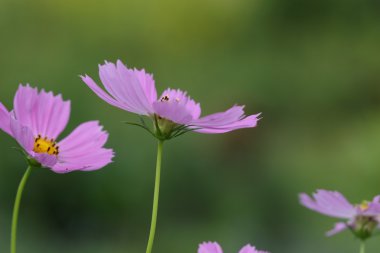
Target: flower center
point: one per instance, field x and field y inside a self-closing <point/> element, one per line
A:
<point x="364" y="206"/>
<point x="45" y="145"/>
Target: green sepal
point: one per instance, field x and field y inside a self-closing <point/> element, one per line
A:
<point x="163" y="129"/>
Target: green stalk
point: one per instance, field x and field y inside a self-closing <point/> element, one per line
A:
<point x="362" y="247"/>
<point x="155" y="198"/>
<point x="17" y="207"/>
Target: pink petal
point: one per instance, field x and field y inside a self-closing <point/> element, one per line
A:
<point x="103" y="95"/>
<point x="330" y="203"/>
<point x="42" y="112"/>
<point x="23" y="135"/>
<point x="147" y="83"/>
<point x="177" y="106"/>
<point x="376" y="199"/>
<point x="227" y="121"/>
<point x="132" y="90"/>
<point x="83" y="149"/>
<point x="24" y="104"/>
<point x="180" y="98"/>
<point x="139" y="87"/>
<point x="52" y="114"/>
<point x="176" y="113"/>
<point x="373" y="210"/>
<point x="210" y="247"/>
<point x="111" y="80"/>
<point x="373" y="207"/>
<point x="339" y="227"/>
<point x="5" y="123"/>
<point x="46" y="160"/>
<point x="250" y="249"/>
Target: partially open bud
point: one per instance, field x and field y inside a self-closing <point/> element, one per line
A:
<point x="364" y="226"/>
<point x="165" y="127"/>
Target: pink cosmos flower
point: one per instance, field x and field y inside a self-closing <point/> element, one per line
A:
<point x="361" y="219"/>
<point x="214" y="247"/>
<point x="134" y="91"/>
<point x="36" y="121"/>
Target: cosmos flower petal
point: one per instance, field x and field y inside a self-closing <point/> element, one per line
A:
<point x="210" y="247"/>
<point x="140" y="84"/>
<point x="46" y="160"/>
<point x="339" y="227"/>
<point x="250" y="249"/>
<point x="22" y="134"/>
<point x="102" y="94"/>
<point x="372" y="210"/>
<point x="248" y="122"/>
<point x="51" y="114"/>
<point x="5" y="119"/>
<point x="227" y="117"/>
<point x="147" y="83"/>
<point x="118" y="88"/>
<point x="376" y="199"/>
<point x="133" y="88"/>
<point x="83" y="149"/>
<point x="44" y="113"/>
<point x="179" y="98"/>
<point x="227" y="121"/>
<point x="91" y="162"/>
<point x="24" y="105"/>
<point x="330" y="203"/>
<point x="177" y="114"/>
<point x="177" y="106"/>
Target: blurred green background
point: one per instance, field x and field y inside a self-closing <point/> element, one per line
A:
<point x="311" y="67"/>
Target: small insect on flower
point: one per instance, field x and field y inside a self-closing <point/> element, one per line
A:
<point x="214" y="247"/>
<point x="36" y="121"/>
<point x="173" y="113"/>
<point x="362" y="219"/>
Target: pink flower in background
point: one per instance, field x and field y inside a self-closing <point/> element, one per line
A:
<point x="214" y="247"/>
<point x="361" y="219"/>
<point x="134" y="91"/>
<point x="36" y="121"/>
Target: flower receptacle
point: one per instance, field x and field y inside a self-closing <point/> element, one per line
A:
<point x="364" y="227"/>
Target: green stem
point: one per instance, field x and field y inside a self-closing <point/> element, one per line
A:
<point x="362" y="247"/>
<point x="155" y="198"/>
<point x="17" y="207"/>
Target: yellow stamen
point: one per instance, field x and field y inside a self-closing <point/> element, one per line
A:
<point x="44" y="145"/>
<point x="364" y="206"/>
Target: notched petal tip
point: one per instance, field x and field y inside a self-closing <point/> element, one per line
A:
<point x="306" y="201"/>
<point x="248" y="249"/>
<point x="209" y="247"/>
<point x="223" y="122"/>
<point x="251" y="249"/>
<point x="330" y="203"/>
<point x="120" y="62"/>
